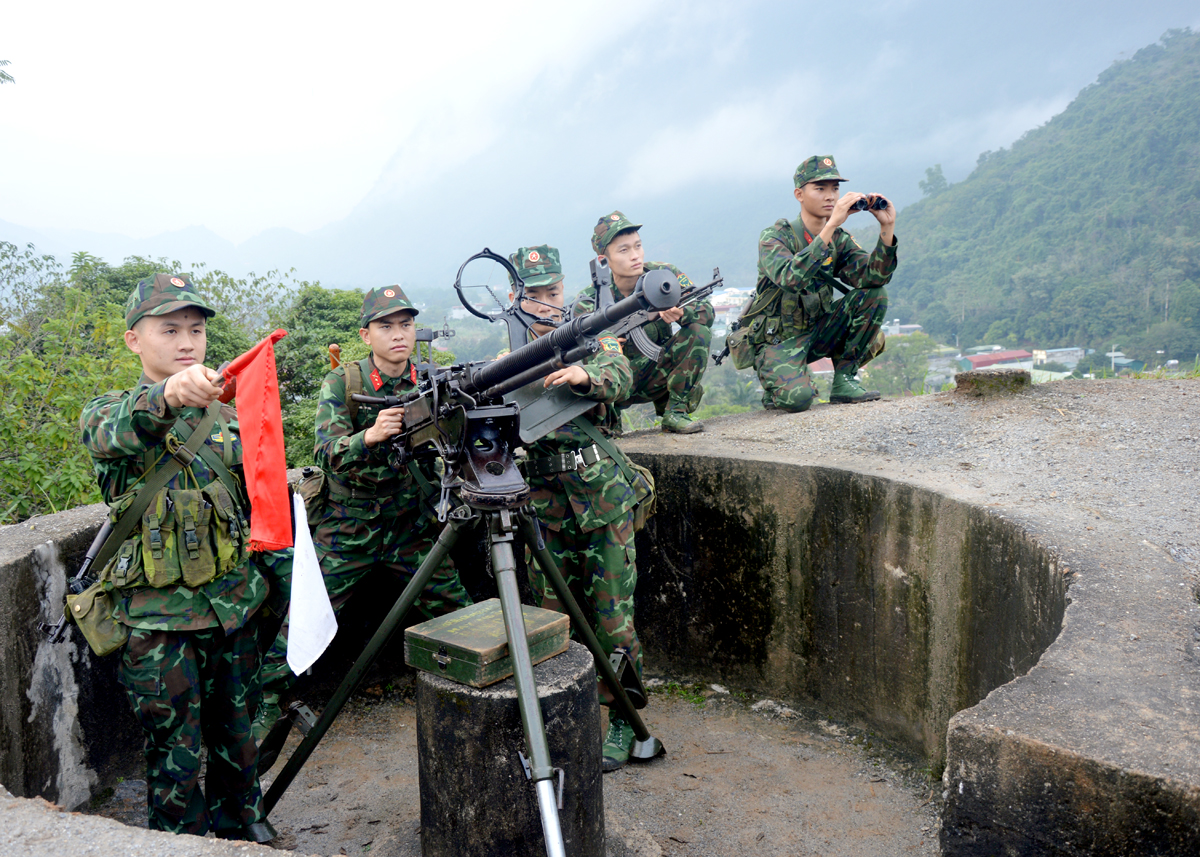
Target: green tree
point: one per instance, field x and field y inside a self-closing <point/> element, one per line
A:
<point x="934" y="181"/>
<point x="5" y="77"/>
<point x="903" y="365"/>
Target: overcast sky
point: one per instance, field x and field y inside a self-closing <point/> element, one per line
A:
<point x="144" y="117"/>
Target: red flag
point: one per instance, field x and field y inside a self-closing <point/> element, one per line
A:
<point x="261" y="426"/>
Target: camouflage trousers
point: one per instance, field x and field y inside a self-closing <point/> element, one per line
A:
<point x="672" y="380"/>
<point x="850" y="335"/>
<point x="353" y="540"/>
<point x="185" y="686"/>
<point x="600" y="569"/>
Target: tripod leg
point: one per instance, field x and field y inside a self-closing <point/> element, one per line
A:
<point x="646" y="746"/>
<point x="420" y="580"/>
<point x="504" y="567"/>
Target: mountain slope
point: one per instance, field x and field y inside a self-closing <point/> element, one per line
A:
<point x="1085" y="232"/>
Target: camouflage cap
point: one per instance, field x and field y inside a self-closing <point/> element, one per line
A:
<point x="162" y="294"/>
<point x="608" y="227"/>
<point x="537" y="266"/>
<point x="818" y="168"/>
<point x="384" y="301"/>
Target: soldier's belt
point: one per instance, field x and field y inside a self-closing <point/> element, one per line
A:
<point x="336" y="489"/>
<point x="567" y="462"/>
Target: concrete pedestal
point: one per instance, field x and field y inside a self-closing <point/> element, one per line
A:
<point x="475" y="799"/>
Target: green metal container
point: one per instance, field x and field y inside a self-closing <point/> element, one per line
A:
<point x="470" y="646"/>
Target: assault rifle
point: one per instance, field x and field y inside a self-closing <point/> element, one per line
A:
<point x="632" y="326"/>
<point x="78" y="583"/>
<point x="465" y="414"/>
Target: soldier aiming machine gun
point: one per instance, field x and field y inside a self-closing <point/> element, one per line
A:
<point x="474" y="416"/>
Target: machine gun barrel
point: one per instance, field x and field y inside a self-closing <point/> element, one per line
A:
<point x="660" y="290"/>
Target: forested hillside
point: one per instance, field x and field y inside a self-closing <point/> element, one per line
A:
<point x="1086" y="232"/>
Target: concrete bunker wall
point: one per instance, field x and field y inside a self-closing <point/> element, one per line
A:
<point x="876" y="601"/>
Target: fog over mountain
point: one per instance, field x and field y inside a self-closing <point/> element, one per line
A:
<point x="691" y="119"/>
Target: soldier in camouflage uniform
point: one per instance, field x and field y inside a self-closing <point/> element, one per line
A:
<point x="586" y="511"/>
<point x="793" y="320"/>
<point x="673" y="383"/>
<point x="190" y="664"/>
<point x="375" y="517"/>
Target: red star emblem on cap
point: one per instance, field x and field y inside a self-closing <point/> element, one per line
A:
<point x="534" y="256"/>
<point x="388" y="293"/>
<point x="614" y="217"/>
<point x="827" y="162"/>
<point x="175" y="281"/>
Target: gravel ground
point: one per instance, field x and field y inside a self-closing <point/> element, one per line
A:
<point x="1102" y="464"/>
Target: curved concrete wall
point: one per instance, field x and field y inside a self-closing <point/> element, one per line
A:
<point x="877" y="601"/>
<point x="66" y="729"/>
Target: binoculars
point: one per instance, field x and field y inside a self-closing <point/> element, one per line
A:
<point x="880" y="204"/>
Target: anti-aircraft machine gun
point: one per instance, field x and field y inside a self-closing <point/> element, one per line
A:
<point x="474" y="416"/>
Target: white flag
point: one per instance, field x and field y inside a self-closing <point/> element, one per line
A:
<point x="312" y="624"/>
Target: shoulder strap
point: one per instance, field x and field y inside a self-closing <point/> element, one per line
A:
<point x="607" y="445"/>
<point x="354" y="385"/>
<point x="154" y="483"/>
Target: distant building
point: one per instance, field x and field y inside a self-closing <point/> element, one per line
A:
<point x="822" y="368"/>
<point x="994" y="358"/>
<point x="1068" y="357"/>
<point x="895" y="328"/>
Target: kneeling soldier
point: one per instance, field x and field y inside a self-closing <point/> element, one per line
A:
<point x="585" y="509"/>
<point x="375" y="517"/>
<point x="184" y="583"/>
<point x="672" y="383"/>
<point x="792" y="320"/>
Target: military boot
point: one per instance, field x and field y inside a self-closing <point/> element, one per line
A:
<point x="617" y="744"/>
<point x="846" y="390"/>
<point x="268" y="712"/>
<point x="679" y="421"/>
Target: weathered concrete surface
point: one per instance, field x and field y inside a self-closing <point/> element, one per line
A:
<point x="475" y="799"/>
<point x="1096" y="748"/>
<point x="876" y="600"/>
<point x="66" y="729"/>
<point x="991" y="381"/>
<point x="36" y="828"/>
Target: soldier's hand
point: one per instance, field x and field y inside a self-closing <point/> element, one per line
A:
<point x="671" y="315"/>
<point x="388" y="424"/>
<point x="842" y="210"/>
<point x="888" y="215"/>
<point x="192" y="388"/>
<point x="574" y="375"/>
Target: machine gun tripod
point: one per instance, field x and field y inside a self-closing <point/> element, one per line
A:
<point x="462" y="413"/>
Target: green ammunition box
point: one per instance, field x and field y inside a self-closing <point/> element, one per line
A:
<point x="469" y="645"/>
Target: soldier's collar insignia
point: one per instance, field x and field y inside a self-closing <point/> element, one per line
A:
<point x="376" y="381"/>
<point x="412" y="372"/>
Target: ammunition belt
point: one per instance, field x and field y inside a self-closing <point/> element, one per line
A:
<point x="567" y="462"/>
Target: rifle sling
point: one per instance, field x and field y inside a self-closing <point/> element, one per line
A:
<point x="155" y="483"/>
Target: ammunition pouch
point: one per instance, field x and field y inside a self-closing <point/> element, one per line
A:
<point x="643" y="490"/>
<point x="92" y="611"/>
<point x="314" y="488"/>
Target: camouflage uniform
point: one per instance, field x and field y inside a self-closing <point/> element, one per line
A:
<point x="586" y="514"/>
<point x="375" y="517"/>
<point x="672" y="383"/>
<point x="799" y="322"/>
<point x="190" y="664"/>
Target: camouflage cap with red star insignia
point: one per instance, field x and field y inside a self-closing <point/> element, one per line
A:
<point x="162" y="294"/>
<point x="382" y="302"/>
<point x="609" y="227"/>
<point x="537" y="266"/>
<point x="818" y="168"/>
